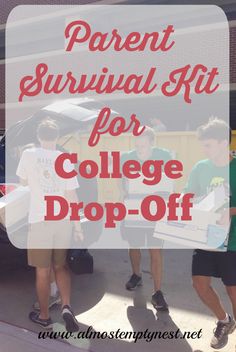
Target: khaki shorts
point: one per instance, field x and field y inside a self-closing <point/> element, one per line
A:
<point x="48" y="243"/>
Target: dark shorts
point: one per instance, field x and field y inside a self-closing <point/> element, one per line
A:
<point x="140" y="237"/>
<point x="215" y="264"/>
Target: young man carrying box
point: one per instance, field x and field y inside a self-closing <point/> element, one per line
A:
<point x="206" y="174"/>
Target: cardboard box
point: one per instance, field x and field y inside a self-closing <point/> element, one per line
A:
<point x="14" y="207"/>
<point x="202" y="231"/>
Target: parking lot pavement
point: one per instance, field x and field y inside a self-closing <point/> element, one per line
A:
<point x="13" y="338"/>
<point x="101" y="301"/>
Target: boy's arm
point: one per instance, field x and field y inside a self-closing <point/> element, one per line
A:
<point x="23" y="182"/>
<point x="226" y="216"/>
<point x="192" y="185"/>
<point x="71" y="197"/>
<point x="22" y="170"/>
<point x="120" y="184"/>
<point x="122" y="191"/>
<point x="233" y="211"/>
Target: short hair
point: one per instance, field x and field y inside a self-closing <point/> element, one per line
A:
<point x="48" y="130"/>
<point x="27" y="146"/>
<point x="215" y="128"/>
<point x="149" y="133"/>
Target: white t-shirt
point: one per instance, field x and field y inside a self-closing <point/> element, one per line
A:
<point x="37" y="166"/>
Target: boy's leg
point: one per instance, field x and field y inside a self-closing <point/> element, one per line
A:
<point x="136" y="239"/>
<point x="62" y="275"/>
<point x="225" y="324"/>
<point x="40" y="257"/>
<point x="229" y="277"/>
<point x="231" y="290"/>
<point x="62" y="237"/>
<point x="205" y="265"/>
<point x="202" y="285"/>
<point x="53" y="285"/>
<point x="54" y="298"/>
<point x="41" y="260"/>
<point x="63" y="281"/>
<point x="135" y="259"/>
<point x="43" y="290"/>
<point x="158" y="299"/>
<point x="135" y="279"/>
<point x="156" y="267"/>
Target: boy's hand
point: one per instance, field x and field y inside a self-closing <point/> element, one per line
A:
<point x="78" y="234"/>
<point x="123" y="195"/>
<point x="225" y="217"/>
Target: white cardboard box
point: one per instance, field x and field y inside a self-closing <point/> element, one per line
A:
<point x="202" y="231"/>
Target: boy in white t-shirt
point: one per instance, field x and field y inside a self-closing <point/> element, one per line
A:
<point x="48" y="240"/>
